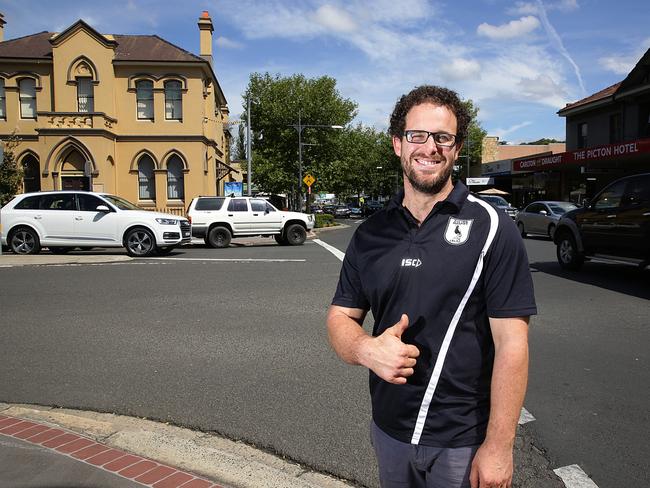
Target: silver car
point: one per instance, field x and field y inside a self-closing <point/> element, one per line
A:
<point x="542" y="217"/>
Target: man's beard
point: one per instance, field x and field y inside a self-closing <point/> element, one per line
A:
<point x="429" y="187"/>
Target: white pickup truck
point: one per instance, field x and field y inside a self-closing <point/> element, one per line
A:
<point x="219" y="219"/>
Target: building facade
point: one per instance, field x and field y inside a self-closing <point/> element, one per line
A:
<point x="131" y="115"/>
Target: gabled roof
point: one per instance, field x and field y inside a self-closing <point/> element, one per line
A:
<point x="607" y="92"/>
<point x="76" y="27"/>
<point x="127" y="48"/>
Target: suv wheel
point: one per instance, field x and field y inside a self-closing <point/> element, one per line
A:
<point x="140" y="243"/>
<point x="280" y="239"/>
<point x="219" y="237"/>
<point x="24" y="241"/>
<point x="520" y="226"/>
<point x="567" y="252"/>
<point x="295" y="235"/>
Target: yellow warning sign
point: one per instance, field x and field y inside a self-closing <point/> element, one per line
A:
<point x="309" y="179"/>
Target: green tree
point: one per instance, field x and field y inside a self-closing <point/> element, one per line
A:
<point x="542" y="142"/>
<point x="472" y="148"/>
<point x="276" y="104"/>
<point x="11" y="173"/>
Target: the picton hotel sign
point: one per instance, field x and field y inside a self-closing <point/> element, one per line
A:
<point x="610" y="151"/>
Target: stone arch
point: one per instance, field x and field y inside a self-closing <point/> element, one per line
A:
<point x="82" y="67"/>
<point x="175" y="152"/>
<point x="133" y="168"/>
<point x="30" y="162"/>
<point x="61" y="150"/>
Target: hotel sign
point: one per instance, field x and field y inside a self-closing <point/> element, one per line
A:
<point x="582" y="155"/>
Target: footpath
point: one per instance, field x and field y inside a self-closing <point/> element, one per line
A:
<point x="43" y="447"/>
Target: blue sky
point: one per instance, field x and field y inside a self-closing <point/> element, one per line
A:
<point x="520" y="61"/>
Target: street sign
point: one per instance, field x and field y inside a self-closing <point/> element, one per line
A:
<point x="309" y="180"/>
<point x="480" y="181"/>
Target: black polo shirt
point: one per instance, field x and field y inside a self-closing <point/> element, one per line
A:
<point x="465" y="263"/>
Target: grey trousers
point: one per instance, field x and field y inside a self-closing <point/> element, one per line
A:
<point x="403" y="465"/>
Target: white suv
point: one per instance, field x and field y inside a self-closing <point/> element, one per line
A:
<point x="218" y="219"/>
<point x="63" y="220"/>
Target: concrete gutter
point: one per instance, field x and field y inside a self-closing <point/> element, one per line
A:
<point x="233" y="464"/>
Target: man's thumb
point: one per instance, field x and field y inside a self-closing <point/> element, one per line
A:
<point x="399" y="328"/>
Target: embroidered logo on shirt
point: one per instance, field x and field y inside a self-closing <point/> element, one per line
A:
<point x="457" y="231"/>
<point x="415" y="263"/>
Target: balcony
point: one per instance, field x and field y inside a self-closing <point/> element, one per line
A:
<point x="75" y="120"/>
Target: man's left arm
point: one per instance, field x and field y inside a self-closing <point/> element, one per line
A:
<point x="492" y="466"/>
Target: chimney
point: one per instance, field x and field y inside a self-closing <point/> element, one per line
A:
<point x="2" y="27"/>
<point x="205" y="31"/>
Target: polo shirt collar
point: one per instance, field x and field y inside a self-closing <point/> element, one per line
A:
<point x="456" y="198"/>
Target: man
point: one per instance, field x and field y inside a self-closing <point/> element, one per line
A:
<point x="447" y="279"/>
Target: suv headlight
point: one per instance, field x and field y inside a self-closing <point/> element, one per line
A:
<point x="167" y="221"/>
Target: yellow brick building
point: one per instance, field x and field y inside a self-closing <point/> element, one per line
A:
<point x="131" y="115"/>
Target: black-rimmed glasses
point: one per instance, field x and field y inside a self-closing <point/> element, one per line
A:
<point x="421" y="136"/>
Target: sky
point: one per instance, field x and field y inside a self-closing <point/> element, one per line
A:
<point x="519" y="61"/>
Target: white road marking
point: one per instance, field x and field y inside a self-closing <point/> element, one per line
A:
<point x="340" y="255"/>
<point x="574" y="477"/>
<point x="525" y="416"/>
<point x="233" y="260"/>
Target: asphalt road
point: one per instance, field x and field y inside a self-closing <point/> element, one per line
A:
<point x="239" y="348"/>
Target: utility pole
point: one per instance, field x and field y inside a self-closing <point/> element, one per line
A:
<point x="248" y="147"/>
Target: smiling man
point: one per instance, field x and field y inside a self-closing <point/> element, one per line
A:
<point x="446" y="277"/>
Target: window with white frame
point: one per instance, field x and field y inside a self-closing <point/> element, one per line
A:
<point x="3" y="101"/>
<point x="175" y="179"/>
<point x="144" y="95"/>
<point x="173" y="100"/>
<point x="146" y="178"/>
<point x="27" y="89"/>
<point x="85" y="95"/>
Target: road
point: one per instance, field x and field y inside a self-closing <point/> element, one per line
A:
<point x="233" y="341"/>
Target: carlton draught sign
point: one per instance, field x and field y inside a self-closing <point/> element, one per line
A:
<point x="582" y="155"/>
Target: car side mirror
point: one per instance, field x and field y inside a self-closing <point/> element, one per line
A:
<point x="543" y="212"/>
<point x="103" y="208"/>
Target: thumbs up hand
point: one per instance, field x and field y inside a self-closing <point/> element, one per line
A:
<point x="388" y="357"/>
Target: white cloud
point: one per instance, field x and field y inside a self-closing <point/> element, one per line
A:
<point x="565" y="5"/>
<point x="543" y="88"/>
<point x="225" y="43"/>
<point x="622" y="64"/>
<point x="514" y="28"/>
<point x="334" y="19"/>
<point x="460" y="69"/>
<point x="500" y="133"/>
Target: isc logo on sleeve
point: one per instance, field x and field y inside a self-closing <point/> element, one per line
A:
<point x="414" y="263"/>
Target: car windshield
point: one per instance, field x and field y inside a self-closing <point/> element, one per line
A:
<point x="494" y="200"/>
<point x="121" y="203"/>
<point x="560" y="208"/>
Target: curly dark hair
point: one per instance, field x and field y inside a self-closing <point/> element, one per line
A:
<point x="430" y="94"/>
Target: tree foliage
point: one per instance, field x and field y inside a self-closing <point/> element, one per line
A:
<point x="11" y="173"/>
<point x="277" y="103"/>
<point x="472" y="147"/>
<point x="542" y="142"/>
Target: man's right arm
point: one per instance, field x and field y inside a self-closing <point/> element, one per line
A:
<point x="386" y="355"/>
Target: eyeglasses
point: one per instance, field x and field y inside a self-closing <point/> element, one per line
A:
<point x="421" y="136"/>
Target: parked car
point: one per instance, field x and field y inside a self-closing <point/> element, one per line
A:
<point x="615" y="224"/>
<point x="500" y="203"/>
<point x="356" y="213"/>
<point x="372" y="207"/>
<point x="341" y="212"/>
<point x="218" y="219"/>
<point x="63" y="220"/>
<point x="542" y="217"/>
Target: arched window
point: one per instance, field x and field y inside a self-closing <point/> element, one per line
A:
<point x="144" y="95"/>
<point x="85" y="95"/>
<point x="173" y="100"/>
<point x="3" y="102"/>
<point x="31" y="176"/>
<point x="175" y="179"/>
<point x="27" y="88"/>
<point x="146" y="178"/>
